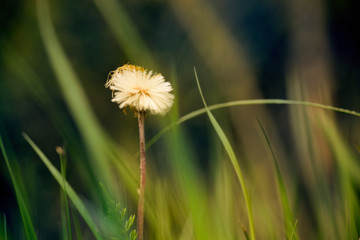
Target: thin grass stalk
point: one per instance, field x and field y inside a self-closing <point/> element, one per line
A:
<point x="293" y="233"/>
<point x="25" y="215"/>
<point x="233" y="160"/>
<point x="140" y="218"/>
<point x="5" y="228"/>
<point x="61" y="153"/>
<point x="78" y="203"/>
<point x="284" y="202"/>
<point x="77" y="227"/>
<point x="201" y="111"/>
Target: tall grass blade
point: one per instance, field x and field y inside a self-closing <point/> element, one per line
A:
<point x="288" y="216"/>
<point x="125" y="32"/>
<point x="293" y="232"/>
<point x="25" y="216"/>
<point x="77" y="227"/>
<point x="5" y="228"/>
<point x="64" y="229"/>
<point x="63" y="173"/>
<point x="79" y="205"/>
<point x="189" y="183"/>
<point x="201" y="111"/>
<point x="73" y="93"/>
<point x="233" y="160"/>
<point x="43" y="98"/>
<point x="349" y="171"/>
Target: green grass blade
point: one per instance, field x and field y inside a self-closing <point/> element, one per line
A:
<point x="79" y="205"/>
<point x="349" y="174"/>
<point x="74" y="94"/>
<point x="63" y="172"/>
<point x="33" y="83"/>
<point x="125" y="32"/>
<point x="190" y="183"/>
<point x="293" y="232"/>
<point x="5" y="228"/>
<point x="29" y="229"/>
<point x="233" y="160"/>
<point x="77" y="227"/>
<point x="288" y="216"/>
<point x="64" y="228"/>
<point x="237" y="103"/>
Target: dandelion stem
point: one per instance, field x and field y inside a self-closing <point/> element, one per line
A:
<point x="140" y="218"/>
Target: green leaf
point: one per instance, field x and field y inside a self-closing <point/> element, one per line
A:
<point x="5" y="228"/>
<point x="237" y="103"/>
<point x="233" y="159"/>
<point x="25" y="216"/>
<point x="79" y="205"/>
<point x="125" y="32"/>
<point x="129" y="223"/>
<point x="288" y="216"/>
<point x="133" y="235"/>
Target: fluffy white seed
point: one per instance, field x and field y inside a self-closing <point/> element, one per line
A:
<point x="137" y="88"/>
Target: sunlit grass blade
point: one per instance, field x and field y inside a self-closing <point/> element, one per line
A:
<point x="201" y="111"/>
<point x="293" y="232"/>
<point x="29" y="229"/>
<point x="188" y="189"/>
<point x="288" y="215"/>
<point x="191" y="184"/>
<point x="36" y="87"/>
<point x="233" y="160"/>
<point x="346" y="159"/>
<point x="79" y="205"/>
<point x="349" y="171"/>
<point x="162" y="210"/>
<point x="98" y="144"/>
<point x="74" y="94"/>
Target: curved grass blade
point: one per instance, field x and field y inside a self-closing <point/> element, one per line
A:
<point x="29" y="229"/>
<point x="288" y="215"/>
<point x="233" y="160"/>
<point x="70" y="191"/>
<point x="74" y="94"/>
<point x="201" y="111"/>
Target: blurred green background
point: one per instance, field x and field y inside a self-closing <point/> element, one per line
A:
<point x="302" y="50"/>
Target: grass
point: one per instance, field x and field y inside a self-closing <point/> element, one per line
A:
<point x="231" y="195"/>
<point x="233" y="160"/>
<point x="189" y="197"/>
<point x="25" y="215"/>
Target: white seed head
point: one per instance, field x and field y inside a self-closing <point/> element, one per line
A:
<point x="141" y="90"/>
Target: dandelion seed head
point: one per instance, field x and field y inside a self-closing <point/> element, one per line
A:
<point x="140" y="89"/>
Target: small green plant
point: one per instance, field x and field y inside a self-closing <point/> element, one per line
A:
<point x="141" y="91"/>
<point x="116" y="216"/>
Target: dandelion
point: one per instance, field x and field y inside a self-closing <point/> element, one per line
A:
<point x="142" y="91"/>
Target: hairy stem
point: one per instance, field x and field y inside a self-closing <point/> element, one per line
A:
<point x="140" y="217"/>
